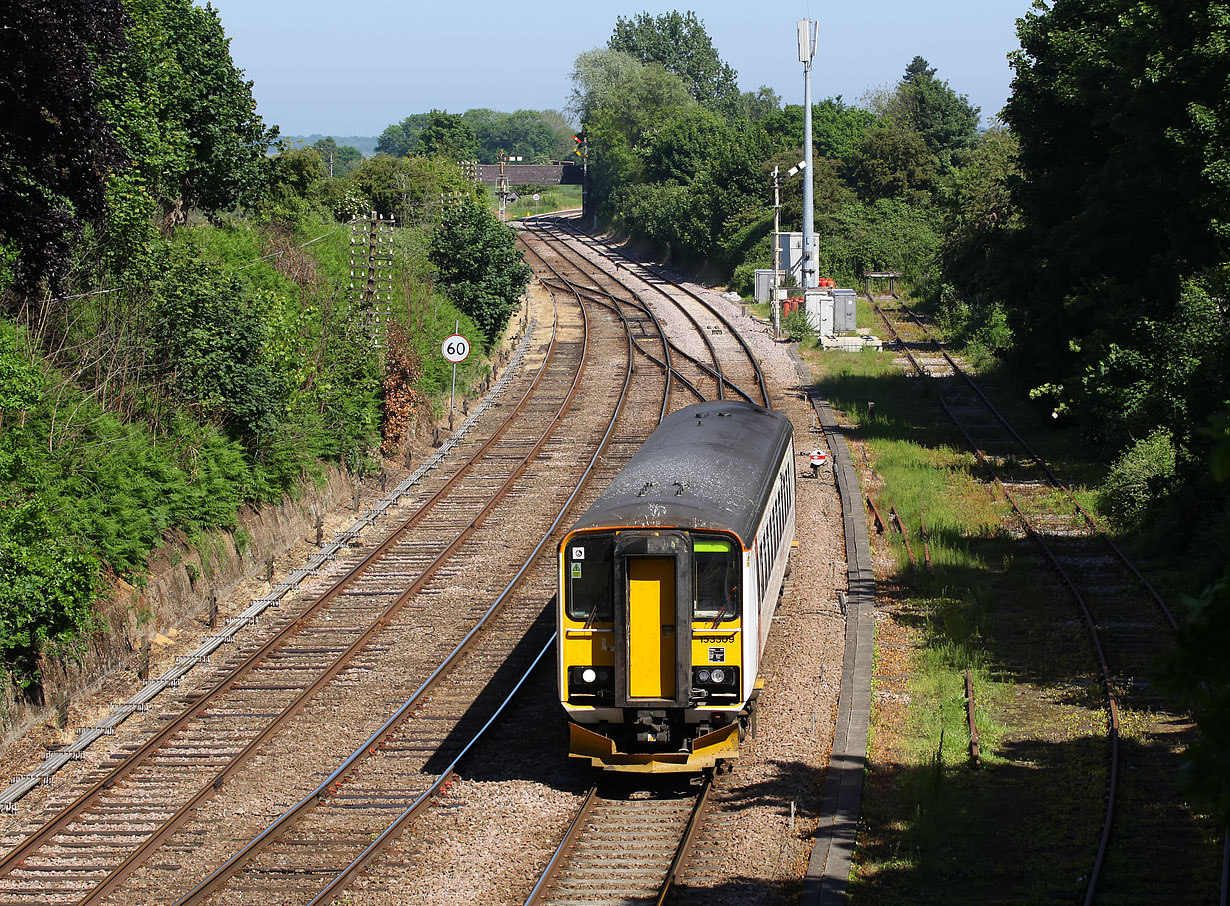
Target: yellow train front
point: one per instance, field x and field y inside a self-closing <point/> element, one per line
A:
<point x="667" y="588"/>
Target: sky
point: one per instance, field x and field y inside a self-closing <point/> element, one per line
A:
<point x="336" y="69"/>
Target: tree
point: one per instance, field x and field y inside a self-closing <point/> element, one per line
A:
<point x="756" y="106"/>
<point x="402" y="138"/>
<point x="681" y="44"/>
<point x="294" y="171"/>
<point x="447" y="135"/>
<point x="409" y="188"/>
<point x="1122" y="110"/>
<point x="478" y="265"/>
<point x="56" y="147"/>
<point x="524" y="133"/>
<point x="837" y="127"/>
<point x="682" y="148"/>
<point x="1196" y="668"/>
<point x="338" y="160"/>
<point x="946" y="121"/>
<point x="620" y="102"/>
<point x="633" y="93"/>
<point x="978" y="208"/>
<point x="183" y="111"/>
<point x="563" y="129"/>
<point x="893" y="161"/>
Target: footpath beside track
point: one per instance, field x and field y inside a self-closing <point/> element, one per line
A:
<point x="828" y="870"/>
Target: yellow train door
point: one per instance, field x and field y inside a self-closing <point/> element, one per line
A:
<point x="651" y="627"/>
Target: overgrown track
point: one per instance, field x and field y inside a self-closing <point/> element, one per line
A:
<point x="1153" y="848"/>
<point x="626" y="844"/>
<point x="731" y="368"/>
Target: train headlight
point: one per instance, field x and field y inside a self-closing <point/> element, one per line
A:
<point x="590" y="684"/>
<point x="716" y="684"/>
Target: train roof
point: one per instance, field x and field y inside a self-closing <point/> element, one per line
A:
<point x="708" y="466"/>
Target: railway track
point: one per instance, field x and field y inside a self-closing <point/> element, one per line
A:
<point x="731" y="368"/>
<point x="250" y="875"/>
<point x="31" y="865"/>
<point x="239" y="791"/>
<point x="334" y="834"/>
<point x="1128" y="625"/>
<point x="626" y="844"/>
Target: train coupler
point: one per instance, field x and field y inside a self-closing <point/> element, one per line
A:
<point x="652" y="726"/>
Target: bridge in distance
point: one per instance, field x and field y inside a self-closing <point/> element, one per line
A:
<point x="531" y="174"/>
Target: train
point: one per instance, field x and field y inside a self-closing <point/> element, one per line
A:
<point x="667" y="588"/>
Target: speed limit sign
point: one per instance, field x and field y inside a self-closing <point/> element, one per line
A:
<point x="456" y="349"/>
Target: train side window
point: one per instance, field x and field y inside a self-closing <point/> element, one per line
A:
<point x="589" y="578"/>
<point x="717" y="579"/>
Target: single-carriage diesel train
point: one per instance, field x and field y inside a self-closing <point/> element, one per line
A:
<point x="667" y="587"/>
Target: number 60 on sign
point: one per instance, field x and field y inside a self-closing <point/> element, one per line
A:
<point x="456" y="349"/>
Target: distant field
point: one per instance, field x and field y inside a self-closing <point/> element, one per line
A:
<point x="365" y="143"/>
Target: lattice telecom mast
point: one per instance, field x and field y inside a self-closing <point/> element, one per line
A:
<point x="371" y="272"/>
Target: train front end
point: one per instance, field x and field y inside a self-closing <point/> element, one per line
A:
<point x="654" y="671"/>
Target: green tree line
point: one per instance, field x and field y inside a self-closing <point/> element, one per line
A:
<point x="539" y="136"/>
<point x="682" y="159"/>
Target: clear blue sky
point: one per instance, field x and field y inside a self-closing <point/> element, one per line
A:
<point x="354" y="68"/>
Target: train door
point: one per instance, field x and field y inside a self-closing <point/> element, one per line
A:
<point x="653" y="630"/>
<point x="652" y="624"/>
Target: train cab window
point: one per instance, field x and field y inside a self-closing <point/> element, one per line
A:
<point x="717" y="580"/>
<point x="589" y="568"/>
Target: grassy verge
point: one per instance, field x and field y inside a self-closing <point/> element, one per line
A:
<point x="551" y="198"/>
<point x="1023" y="827"/>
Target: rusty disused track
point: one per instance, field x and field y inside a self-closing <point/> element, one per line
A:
<point x="626" y="844"/>
<point x="1127" y="621"/>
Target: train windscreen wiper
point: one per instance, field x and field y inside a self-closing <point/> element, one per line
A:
<point x="725" y="606"/>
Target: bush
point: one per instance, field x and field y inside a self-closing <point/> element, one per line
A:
<point x="477" y="261"/>
<point x="1138" y="479"/>
<point x="979" y="328"/>
<point x="210" y="345"/>
<point x="798" y="327"/>
<point x="47" y="587"/>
